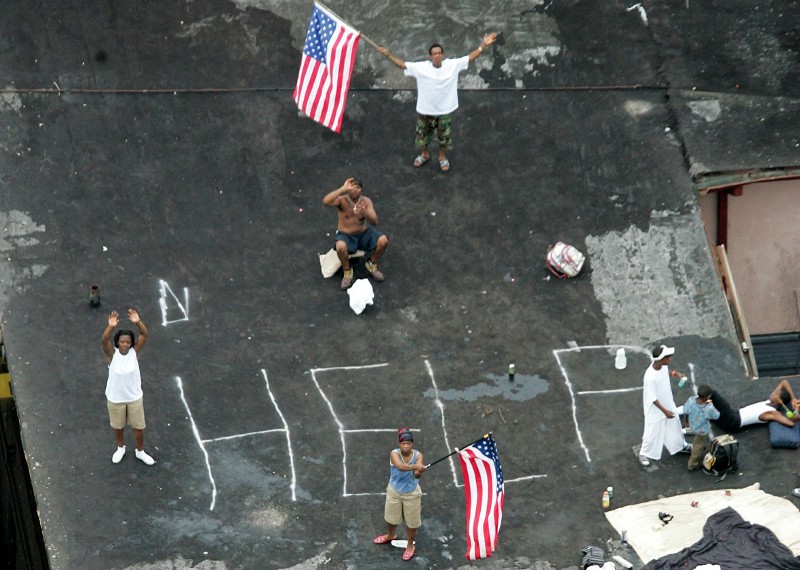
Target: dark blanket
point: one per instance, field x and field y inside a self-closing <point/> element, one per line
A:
<point x="734" y="544"/>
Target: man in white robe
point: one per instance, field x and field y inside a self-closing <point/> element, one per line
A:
<point x="662" y="426"/>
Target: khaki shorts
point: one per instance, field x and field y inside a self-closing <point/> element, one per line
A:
<point x="403" y="507"/>
<point x="131" y="413"/>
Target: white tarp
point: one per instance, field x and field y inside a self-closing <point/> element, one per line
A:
<point x="651" y="539"/>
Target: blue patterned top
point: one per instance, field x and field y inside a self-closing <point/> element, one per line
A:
<point x="403" y="481"/>
<point x="699" y="415"/>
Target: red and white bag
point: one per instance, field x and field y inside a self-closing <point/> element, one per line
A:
<point x="564" y="261"/>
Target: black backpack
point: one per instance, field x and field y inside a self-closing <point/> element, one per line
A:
<point x="722" y="457"/>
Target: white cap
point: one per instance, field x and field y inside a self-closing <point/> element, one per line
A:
<point x="665" y="352"/>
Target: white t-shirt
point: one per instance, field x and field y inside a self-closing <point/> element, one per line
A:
<point x="656" y="387"/>
<point x="749" y="414"/>
<point x="437" y="88"/>
<point x="124" y="380"/>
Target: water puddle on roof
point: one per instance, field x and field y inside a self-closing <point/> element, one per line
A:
<point x="521" y="389"/>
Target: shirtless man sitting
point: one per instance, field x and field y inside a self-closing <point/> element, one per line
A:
<point x="355" y="231"/>
<point x="769" y="410"/>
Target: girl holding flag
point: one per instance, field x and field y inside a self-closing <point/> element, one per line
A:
<point x="403" y="494"/>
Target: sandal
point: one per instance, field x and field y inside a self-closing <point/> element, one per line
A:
<point x="409" y="555"/>
<point x="444" y="165"/>
<point x="382" y="539"/>
<point x="420" y="160"/>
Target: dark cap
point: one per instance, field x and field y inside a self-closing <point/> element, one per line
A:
<point x="404" y="434"/>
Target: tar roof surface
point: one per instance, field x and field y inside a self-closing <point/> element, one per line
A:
<point x="585" y="124"/>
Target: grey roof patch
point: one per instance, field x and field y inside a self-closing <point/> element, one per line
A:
<point x="708" y="109"/>
<point x="652" y="273"/>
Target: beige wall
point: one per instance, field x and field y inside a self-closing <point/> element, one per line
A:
<point x="764" y="252"/>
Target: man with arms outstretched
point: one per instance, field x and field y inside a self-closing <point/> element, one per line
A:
<point x="437" y="95"/>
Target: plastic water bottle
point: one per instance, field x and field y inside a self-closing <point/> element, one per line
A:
<point x="606" y="500"/>
<point x="511" y="371"/>
<point x="611" y="492"/>
<point x="620" y="362"/>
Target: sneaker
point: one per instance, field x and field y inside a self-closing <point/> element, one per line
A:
<point x="347" y="280"/>
<point x="144" y="458"/>
<point x="372" y="269"/>
<point x="644" y="461"/>
<point x="796" y="492"/>
<point x="118" y="455"/>
<point x="686" y="448"/>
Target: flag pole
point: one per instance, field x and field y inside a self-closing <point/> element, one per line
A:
<point x="484" y="436"/>
<point x="373" y="44"/>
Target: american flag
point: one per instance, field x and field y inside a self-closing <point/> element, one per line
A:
<point x="485" y="492"/>
<point x="328" y="58"/>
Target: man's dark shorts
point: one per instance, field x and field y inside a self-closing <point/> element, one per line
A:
<point x="366" y="241"/>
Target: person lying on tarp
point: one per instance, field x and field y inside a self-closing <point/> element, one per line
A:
<point x="781" y="407"/>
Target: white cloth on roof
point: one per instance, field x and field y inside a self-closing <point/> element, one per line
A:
<point x="650" y="538"/>
<point x="361" y="295"/>
<point x="329" y="262"/>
